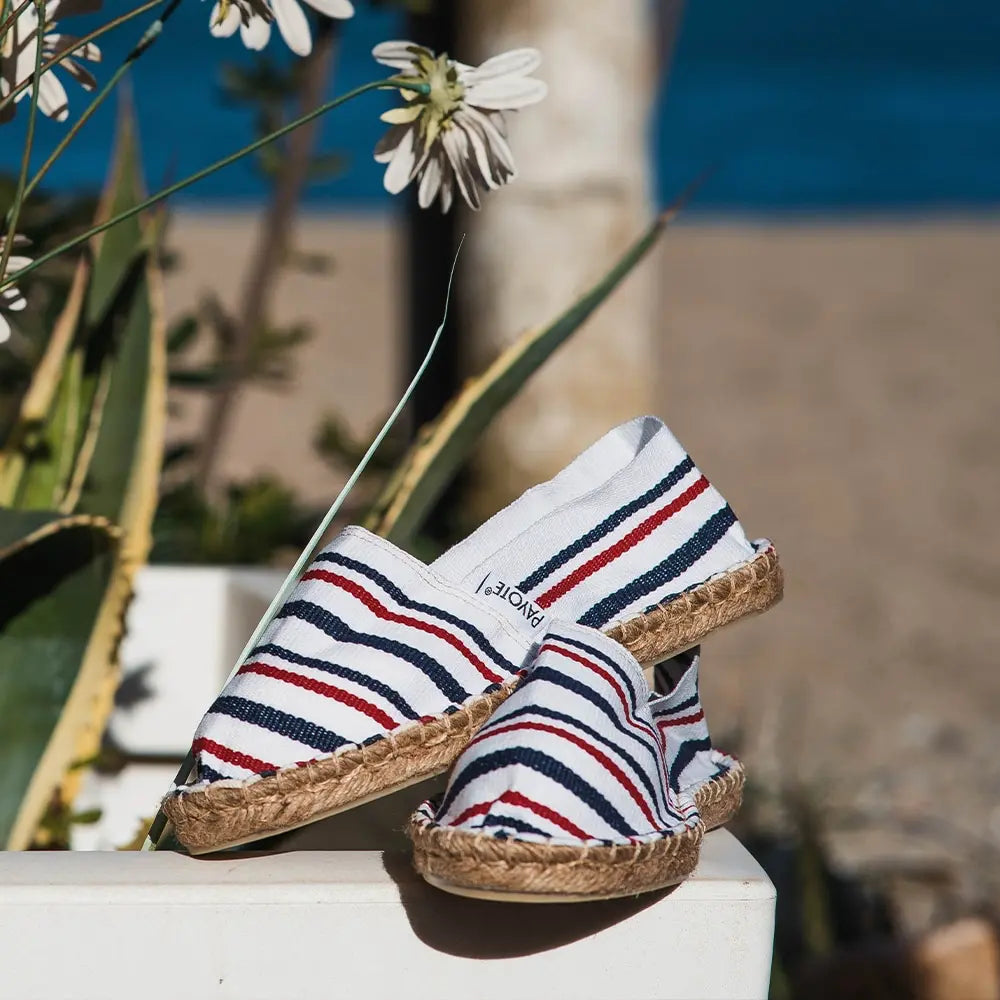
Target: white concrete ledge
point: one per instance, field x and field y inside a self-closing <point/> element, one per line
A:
<point x="346" y="924"/>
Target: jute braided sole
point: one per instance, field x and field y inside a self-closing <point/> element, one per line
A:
<point x="225" y="815"/>
<point x="719" y="800"/>
<point x="469" y="864"/>
<point x="683" y="622"/>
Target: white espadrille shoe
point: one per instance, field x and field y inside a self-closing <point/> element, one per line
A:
<point x="373" y="676"/>
<point x="630" y="538"/>
<point x="713" y="779"/>
<point x="564" y="794"/>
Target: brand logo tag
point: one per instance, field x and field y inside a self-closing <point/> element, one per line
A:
<point x="518" y="606"/>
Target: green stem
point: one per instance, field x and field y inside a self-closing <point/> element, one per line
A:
<point x="392" y="83"/>
<point x="148" y="37"/>
<point x="84" y="40"/>
<point x="29" y="141"/>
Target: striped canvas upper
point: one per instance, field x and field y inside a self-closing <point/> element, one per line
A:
<point x="573" y="756"/>
<point x="626" y="526"/>
<point x="369" y="642"/>
<point x="679" y="717"/>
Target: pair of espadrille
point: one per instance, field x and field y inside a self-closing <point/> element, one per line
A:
<point x="517" y="661"/>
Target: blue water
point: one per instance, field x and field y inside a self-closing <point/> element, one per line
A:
<point x="853" y="104"/>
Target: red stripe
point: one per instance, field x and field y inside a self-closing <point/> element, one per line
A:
<point x="606" y="762"/>
<point x="522" y="802"/>
<point x="608" y="677"/>
<point x="480" y="809"/>
<point x="517" y="799"/>
<point x="232" y="756"/>
<point x="321" y="688"/>
<point x="610" y="554"/>
<point x="381" y="611"/>
<point x="682" y="720"/>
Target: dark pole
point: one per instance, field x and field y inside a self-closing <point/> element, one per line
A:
<point x="431" y="239"/>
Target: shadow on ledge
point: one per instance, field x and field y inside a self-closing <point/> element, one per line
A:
<point x="477" y="928"/>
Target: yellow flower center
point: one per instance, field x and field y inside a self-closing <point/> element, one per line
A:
<point x="446" y="89"/>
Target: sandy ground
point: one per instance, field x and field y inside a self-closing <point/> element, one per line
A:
<point x="841" y="385"/>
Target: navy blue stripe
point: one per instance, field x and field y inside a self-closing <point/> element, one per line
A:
<point x="550" y="768"/>
<point x="363" y="680"/>
<point x="619" y="671"/>
<point x="641" y="773"/>
<point x="606" y="526"/>
<point x="721" y="769"/>
<point x="684" y="757"/>
<point x="401" y="599"/>
<point x="676" y="563"/>
<point x="514" y="824"/>
<point x="540" y="673"/>
<point x="337" y="629"/>
<point x="300" y="730"/>
<point x="206" y="773"/>
<point x="679" y="707"/>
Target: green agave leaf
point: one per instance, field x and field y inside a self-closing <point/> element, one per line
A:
<point x="72" y="573"/>
<point x="54" y="571"/>
<point x="444" y="444"/>
<point x="48" y="381"/>
<point x="115" y="250"/>
<point x="52" y="456"/>
<point x="118" y="468"/>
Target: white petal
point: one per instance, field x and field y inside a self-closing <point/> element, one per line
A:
<point x="256" y="34"/>
<point x="52" y="100"/>
<point x="517" y="62"/>
<point x="14" y="301"/>
<point x="4" y="329"/>
<point x="16" y="262"/>
<point x="399" y="173"/>
<point x="398" y="54"/>
<point x="447" y="193"/>
<point x="25" y="62"/>
<point x="456" y="145"/>
<point x="341" y="9"/>
<point x="495" y="138"/>
<point x="402" y="116"/>
<point x="477" y="147"/>
<point x="225" y="27"/>
<point x="293" y="25"/>
<point x="88" y="51"/>
<point x="386" y="146"/>
<point x="506" y="94"/>
<point x="430" y="182"/>
<point x="57" y="43"/>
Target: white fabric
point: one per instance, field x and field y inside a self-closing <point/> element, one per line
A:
<point x="679" y="716"/>
<point x="627" y="525"/>
<point x="369" y="642"/>
<point x="573" y="756"/>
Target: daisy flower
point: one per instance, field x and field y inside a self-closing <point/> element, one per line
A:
<point x="253" y="18"/>
<point x="454" y="136"/>
<point x="11" y="299"/>
<point x="20" y="45"/>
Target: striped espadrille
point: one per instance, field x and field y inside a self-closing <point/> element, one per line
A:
<point x="373" y="676"/>
<point x="378" y="669"/>
<point x="565" y="794"/>
<point x="630" y="538"/>
<point x="714" y="780"/>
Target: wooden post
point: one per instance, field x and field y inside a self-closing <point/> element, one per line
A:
<point x="583" y="193"/>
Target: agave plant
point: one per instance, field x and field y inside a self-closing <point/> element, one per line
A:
<point x="78" y="480"/>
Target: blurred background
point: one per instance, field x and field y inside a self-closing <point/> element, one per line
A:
<point x="821" y="329"/>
